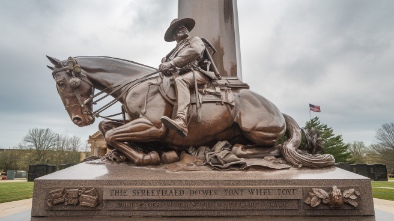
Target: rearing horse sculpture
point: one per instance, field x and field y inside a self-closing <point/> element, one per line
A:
<point x="253" y="119"/>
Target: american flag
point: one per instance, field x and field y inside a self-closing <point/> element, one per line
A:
<point x="314" y="108"/>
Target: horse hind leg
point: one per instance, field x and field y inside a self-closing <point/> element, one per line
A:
<point x="265" y="137"/>
<point x="259" y="120"/>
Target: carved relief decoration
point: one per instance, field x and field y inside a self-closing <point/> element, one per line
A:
<point x="334" y="199"/>
<point x="88" y="197"/>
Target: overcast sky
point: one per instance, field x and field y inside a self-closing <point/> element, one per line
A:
<point x="338" y="54"/>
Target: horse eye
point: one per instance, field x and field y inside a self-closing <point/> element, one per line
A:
<point x="60" y="83"/>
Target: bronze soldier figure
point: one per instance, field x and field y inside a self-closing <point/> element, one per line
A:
<point x="183" y="63"/>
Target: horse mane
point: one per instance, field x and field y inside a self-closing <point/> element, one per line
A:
<point x="111" y="65"/>
<point x="116" y="59"/>
<point x="108" y="71"/>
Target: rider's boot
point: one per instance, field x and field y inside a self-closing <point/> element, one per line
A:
<point x="183" y="99"/>
<point x="178" y="124"/>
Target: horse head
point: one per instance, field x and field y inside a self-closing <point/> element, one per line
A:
<point x="74" y="89"/>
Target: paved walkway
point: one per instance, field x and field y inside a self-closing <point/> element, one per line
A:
<point x="16" y="180"/>
<point x="10" y="208"/>
<point x="384" y="205"/>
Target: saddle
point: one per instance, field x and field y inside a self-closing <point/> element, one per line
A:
<point x="216" y="91"/>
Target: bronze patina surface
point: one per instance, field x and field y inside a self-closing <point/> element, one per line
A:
<point x="154" y="121"/>
<point x="249" y="119"/>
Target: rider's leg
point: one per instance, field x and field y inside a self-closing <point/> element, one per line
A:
<point x="183" y="83"/>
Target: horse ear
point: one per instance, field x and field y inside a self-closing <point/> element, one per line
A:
<point x="50" y="67"/>
<point x="55" y="62"/>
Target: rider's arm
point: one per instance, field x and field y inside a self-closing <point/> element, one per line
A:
<point x="189" y="54"/>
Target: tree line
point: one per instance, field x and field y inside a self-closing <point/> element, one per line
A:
<point x="382" y="151"/>
<point x="42" y="146"/>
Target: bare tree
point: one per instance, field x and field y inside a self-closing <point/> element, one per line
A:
<point x="49" y="147"/>
<point x="358" y="152"/>
<point x="74" y="144"/>
<point x="73" y="150"/>
<point x="384" y="148"/>
<point x="385" y="135"/>
<point x="66" y="150"/>
<point x="9" y="160"/>
<point x="383" y="155"/>
<point x="41" y="140"/>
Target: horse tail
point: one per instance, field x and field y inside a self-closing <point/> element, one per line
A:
<point x="290" y="153"/>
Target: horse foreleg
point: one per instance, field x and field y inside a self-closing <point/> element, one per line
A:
<point x="139" y="130"/>
<point x="107" y="125"/>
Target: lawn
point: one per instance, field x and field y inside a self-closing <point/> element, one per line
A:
<point x="386" y="193"/>
<point x="12" y="191"/>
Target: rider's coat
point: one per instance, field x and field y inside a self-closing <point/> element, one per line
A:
<point x="187" y="54"/>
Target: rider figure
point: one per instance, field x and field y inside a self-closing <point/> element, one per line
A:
<point x="183" y="63"/>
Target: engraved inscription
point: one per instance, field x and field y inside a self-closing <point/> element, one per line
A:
<point x="180" y="205"/>
<point x="204" y="192"/>
<point x="118" y="192"/>
<point x="157" y="192"/>
<point x="134" y="193"/>
<point x="279" y="192"/>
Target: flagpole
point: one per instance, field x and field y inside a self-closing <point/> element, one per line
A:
<point x="310" y="118"/>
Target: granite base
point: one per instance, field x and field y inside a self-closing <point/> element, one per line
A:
<point x="121" y="190"/>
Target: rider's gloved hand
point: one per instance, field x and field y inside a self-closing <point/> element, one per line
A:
<point x="165" y="66"/>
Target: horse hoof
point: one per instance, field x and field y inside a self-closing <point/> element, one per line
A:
<point x="155" y="157"/>
<point x="152" y="158"/>
<point x="169" y="157"/>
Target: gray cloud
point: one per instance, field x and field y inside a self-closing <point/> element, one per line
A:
<point x="337" y="54"/>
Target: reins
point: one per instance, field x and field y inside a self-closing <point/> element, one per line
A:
<point x="130" y="85"/>
<point x="74" y="69"/>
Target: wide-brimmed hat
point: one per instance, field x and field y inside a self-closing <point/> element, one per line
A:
<point x="187" y="22"/>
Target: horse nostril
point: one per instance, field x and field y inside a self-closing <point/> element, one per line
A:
<point x="90" y="118"/>
<point x="77" y="120"/>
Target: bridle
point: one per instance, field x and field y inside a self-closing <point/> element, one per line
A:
<point x="74" y="69"/>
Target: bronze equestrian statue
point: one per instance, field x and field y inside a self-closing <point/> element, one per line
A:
<point x="239" y="116"/>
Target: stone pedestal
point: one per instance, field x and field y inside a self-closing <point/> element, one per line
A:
<point x="121" y="190"/>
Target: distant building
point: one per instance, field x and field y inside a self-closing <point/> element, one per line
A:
<point x="97" y="144"/>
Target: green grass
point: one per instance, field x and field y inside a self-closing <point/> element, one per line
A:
<point x="383" y="193"/>
<point x="12" y="191"/>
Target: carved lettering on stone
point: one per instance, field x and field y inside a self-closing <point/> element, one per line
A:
<point x="133" y="193"/>
<point x="209" y="205"/>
